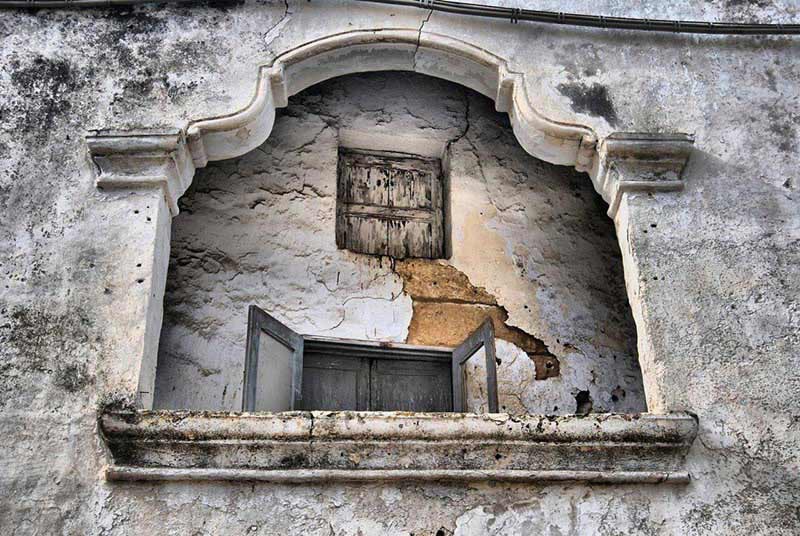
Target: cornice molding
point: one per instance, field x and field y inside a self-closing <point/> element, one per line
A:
<point x="440" y="56"/>
<point x="313" y="446"/>
<point x="622" y="162"/>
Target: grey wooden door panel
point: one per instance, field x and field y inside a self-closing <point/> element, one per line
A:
<point x="410" y="386"/>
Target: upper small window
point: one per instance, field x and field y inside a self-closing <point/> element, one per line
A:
<point x="390" y="204"/>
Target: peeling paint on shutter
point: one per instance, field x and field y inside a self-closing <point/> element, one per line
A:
<point x="389" y="204"/>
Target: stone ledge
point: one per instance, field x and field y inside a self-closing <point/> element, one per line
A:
<point x="314" y="476"/>
<point x="374" y="446"/>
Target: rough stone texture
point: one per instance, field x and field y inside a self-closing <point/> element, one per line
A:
<point x="342" y="445"/>
<point x="260" y="229"/>
<point x="716" y="278"/>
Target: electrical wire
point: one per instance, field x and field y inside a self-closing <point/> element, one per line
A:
<point x="513" y="15"/>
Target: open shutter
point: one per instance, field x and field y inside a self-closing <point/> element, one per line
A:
<point x="483" y="337"/>
<point x="273" y="366"/>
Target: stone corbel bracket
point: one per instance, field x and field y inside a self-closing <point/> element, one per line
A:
<point x="370" y="446"/>
<point x="632" y="162"/>
<point x="136" y="160"/>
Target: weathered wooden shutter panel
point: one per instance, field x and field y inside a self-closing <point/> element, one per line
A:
<point x="335" y="383"/>
<point x="483" y="337"/>
<point x="405" y="385"/>
<point x="273" y="364"/>
<point x="390" y="205"/>
<point x="342" y="374"/>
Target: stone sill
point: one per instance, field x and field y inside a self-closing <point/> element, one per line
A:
<point x="296" y="447"/>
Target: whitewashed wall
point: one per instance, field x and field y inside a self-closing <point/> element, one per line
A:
<point x="717" y="279"/>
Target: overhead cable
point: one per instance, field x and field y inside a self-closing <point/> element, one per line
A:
<point x="512" y="14"/>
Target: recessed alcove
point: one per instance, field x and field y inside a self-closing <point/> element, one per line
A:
<point x="522" y="287"/>
<point x="530" y="248"/>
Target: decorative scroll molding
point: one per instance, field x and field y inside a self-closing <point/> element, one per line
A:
<point x="436" y="55"/>
<point x="632" y="162"/>
<point x="324" y="446"/>
<point x="624" y="162"/>
<point x="142" y="159"/>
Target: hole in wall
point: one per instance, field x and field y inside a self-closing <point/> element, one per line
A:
<point x="583" y="403"/>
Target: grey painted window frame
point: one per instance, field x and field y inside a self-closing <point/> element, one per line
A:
<point x="260" y="322"/>
<point x="483" y="337"/>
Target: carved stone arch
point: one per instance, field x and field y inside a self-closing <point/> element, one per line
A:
<point x="391" y="50"/>
<point x="234" y="134"/>
<point x="145" y="161"/>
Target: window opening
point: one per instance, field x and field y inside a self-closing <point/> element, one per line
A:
<point x="288" y="371"/>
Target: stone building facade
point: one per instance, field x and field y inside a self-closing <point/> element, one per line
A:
<point x="621" y="205"/>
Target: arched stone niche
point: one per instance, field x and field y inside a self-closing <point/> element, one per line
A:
<point x="154" y="168"/>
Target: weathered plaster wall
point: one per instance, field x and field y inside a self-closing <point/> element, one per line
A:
<point x="260" y="229"/>
<point x="721" y="318"/>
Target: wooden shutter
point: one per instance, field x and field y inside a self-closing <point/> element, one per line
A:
<point x="334" y="382"/>
<point x="483" y="337"/>
<point x="406" y="385"/>
<point x="273" y="364"/>
<point x="389" y="204"/>
<point x="342" y="374"/>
